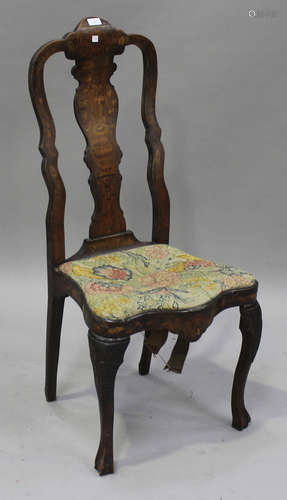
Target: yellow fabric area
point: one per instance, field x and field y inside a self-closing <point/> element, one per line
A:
<point x="128" y="282"/>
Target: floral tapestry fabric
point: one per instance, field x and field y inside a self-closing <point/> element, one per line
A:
<point x="128" y="282"/>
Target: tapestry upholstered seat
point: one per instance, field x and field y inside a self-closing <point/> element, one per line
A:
<point x="125" y="283"/>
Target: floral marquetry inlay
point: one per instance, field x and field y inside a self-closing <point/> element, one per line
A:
<point x="96" y="110"/>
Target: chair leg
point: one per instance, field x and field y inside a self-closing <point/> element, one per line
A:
<point x="106" y="355"/>
<point x="144" y="364"/>
<point x="154" y="339"/>
<point x="250" y="326"/>
<point x="54" y="325"/>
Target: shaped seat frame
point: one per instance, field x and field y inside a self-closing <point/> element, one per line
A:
<point x="93" y="45"/>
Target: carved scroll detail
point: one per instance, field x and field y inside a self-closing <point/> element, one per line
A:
<point x="96" y="110"/>
<point x="47" y="147"/>
<point x="158" y="190"/>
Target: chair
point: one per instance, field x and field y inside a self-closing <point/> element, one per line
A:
<point x="125" y="286"/>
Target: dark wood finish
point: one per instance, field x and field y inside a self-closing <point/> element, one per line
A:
<point x="178" y="355"/>
<point x="53" y="336"/>
<point x="145" y="360"/>
<point x="158" y="190"/>
<point x="106" y="356"/>
<point x="251" y="327"/>
<point x="153" y="341"/>
<point x="96" y="109"/>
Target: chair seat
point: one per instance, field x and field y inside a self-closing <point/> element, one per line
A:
<point x="128" y="282"/>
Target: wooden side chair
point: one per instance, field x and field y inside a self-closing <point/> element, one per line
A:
<point x="125" y="286"/>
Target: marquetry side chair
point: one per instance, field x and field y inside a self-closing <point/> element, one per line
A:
<point x="125" y="286"/>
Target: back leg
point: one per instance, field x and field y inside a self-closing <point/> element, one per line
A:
<point x="153" y="341"/>
<point x="144" y="364"/>
<point x="54" y="325"/>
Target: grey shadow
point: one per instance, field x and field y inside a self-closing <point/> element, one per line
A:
<point x="162" y="412"/>
<point x="162" y="416"/>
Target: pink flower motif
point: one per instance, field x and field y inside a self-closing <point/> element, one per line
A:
<point x="66" y="267"/>
<point x="147" y="280"/>
<point x="127" y="289"/>
<point x="157" y="252"/>
<point x="111" y="272"/>
<point x="159" y="279"/>
<point x="199" y="262"/>
<point x="116" y="274"/>
<point x="94" y="288"/>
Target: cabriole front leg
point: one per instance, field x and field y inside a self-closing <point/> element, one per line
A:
<point x="106" y="356"/>
<point x="250" y="326"/>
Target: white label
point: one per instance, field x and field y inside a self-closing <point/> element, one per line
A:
<point x="95" y="38"/>
<point x="94" y="21"/>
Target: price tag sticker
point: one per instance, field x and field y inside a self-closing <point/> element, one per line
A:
<point x="94" y="21"/>
<point x="95" y="39"/>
